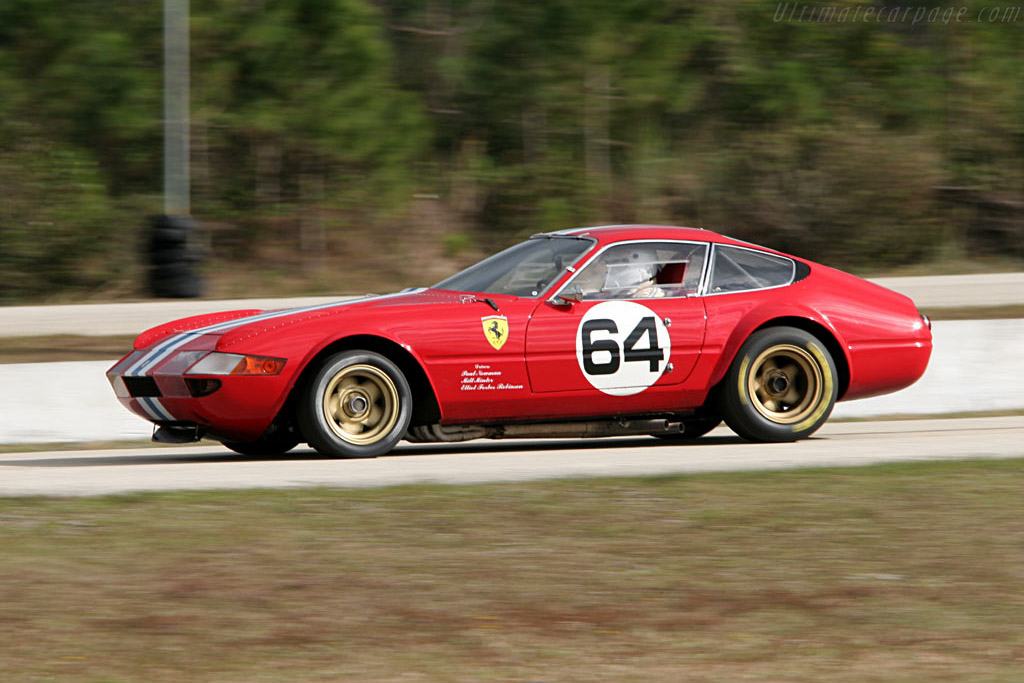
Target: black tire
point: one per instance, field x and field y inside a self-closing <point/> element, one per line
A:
<point x="781" y="386"/>
<point x="167" y="238"/>
<point x="279" y="442"/>
<point x="185" y="286"/>
<point x="171" y="271"/>
<point x="373" y="405"/>
<point x="173" y="255"/>
<point x="693" y="428"/>
<point x="166" y="231"/>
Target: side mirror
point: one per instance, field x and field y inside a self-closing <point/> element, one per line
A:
<point x="573" y="294"/>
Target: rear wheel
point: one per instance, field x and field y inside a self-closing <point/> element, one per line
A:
<point x="357" y="405"/>
<point x="781" y="386"/>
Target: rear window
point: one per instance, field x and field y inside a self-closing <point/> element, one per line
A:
<point x="736" y="270"/>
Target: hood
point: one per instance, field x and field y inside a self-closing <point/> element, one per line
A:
<point x="248" y="323"/>
<point x="195" y="322"/>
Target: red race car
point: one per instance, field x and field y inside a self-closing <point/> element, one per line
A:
<point x="589" y="332"/>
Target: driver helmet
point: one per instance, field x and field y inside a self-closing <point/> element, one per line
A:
<point x="631" y="267"/>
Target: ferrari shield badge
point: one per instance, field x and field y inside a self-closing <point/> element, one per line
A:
<point x="496" y="330"/>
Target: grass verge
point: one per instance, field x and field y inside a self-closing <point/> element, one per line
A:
<point x="49" y="349"/>
<point x="85" y="445"/>
<point x="898" y="572"/>
<point x="976" y="312"/>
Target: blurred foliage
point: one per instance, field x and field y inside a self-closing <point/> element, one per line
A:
<point x="317" y="124"/>
<point x="59" y="230"/>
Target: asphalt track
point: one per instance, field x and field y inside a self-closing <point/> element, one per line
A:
<point x="69" y="473"/>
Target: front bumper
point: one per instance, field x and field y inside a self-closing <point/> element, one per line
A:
<point x="241" y="409"/>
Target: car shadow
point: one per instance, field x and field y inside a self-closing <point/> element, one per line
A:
<point x="404" y="450"/>
<point x="484" y="446"/>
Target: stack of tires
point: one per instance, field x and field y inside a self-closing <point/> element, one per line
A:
<point x="173" y="258"/>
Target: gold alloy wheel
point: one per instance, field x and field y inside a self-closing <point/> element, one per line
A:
<point x="785" y="383"/>
<point x="361" y="404"/>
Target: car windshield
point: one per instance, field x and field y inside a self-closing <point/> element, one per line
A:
<point x="526" y="270"/>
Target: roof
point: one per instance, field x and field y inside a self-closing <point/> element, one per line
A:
<point x="613" y="233"/>
<point x="616" y="233"/>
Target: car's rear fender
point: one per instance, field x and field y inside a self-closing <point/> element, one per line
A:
<point x="803" y="318"/>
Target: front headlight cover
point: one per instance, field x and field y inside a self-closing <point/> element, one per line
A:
<point x="217" y="363"/>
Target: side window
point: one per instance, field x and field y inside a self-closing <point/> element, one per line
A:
<point x="736" y="270"/>
<point x="644" y="270"/>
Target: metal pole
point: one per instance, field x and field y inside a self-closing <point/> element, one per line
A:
<point x="176" y="121"/>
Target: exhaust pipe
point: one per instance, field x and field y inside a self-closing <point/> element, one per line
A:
<point x="178" y="434"/>
<point x="548" y="430"/>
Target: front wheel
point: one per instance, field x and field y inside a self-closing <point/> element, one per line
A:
<point x="357" y="405"/>
<point x="780" y="387"/>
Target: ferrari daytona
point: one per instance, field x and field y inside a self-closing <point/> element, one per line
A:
<point x="597" y="331"/>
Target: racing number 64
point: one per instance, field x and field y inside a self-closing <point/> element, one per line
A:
<point x="653" y="354"/>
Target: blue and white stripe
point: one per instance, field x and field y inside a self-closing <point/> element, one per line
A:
<point x="155" y="409"/>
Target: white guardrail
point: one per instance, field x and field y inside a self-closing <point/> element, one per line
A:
<point x="976" y="365"/>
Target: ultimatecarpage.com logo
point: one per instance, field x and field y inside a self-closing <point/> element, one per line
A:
<point x="892" y="14"/>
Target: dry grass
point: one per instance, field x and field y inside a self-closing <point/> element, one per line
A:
<point x="904" y="572"/>
<point x="85" y="445"/>
<point x="976" y="313"/>
<point x="63" y="347"/>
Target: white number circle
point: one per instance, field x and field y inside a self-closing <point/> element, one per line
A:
<point x="622" y="347"/>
